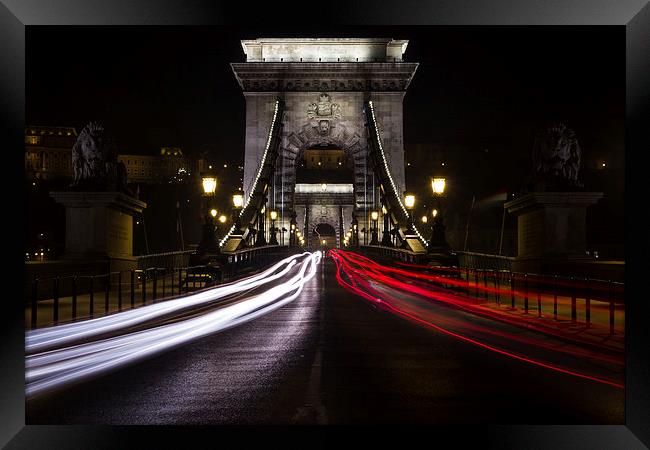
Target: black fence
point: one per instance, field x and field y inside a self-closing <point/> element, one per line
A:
<point x="61" y="299"/>
<point x="572" y="299"/>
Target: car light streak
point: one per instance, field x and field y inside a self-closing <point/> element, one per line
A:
<point x="466" y="302"/>
<point x="47" y="338"/>
<point x="55" y="368"/>
<point x="359" y="279"/>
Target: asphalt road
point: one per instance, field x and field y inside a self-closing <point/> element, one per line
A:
<point x="330" y="358"/>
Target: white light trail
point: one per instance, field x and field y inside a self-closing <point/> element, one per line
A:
<point x="52" y="369"/>
<point x="47" y="338"/>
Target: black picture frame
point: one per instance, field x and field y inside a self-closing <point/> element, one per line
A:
<point x="634" y="15"/>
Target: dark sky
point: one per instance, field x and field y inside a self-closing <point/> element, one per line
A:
<point x="475" y="88"/>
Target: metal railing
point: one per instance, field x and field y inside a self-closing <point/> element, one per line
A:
<point x="392" y="253"/>
<point x="484" y="261"/>
<point x="60" y="299"/>
<point x="167" y="260"/>
<point x="576" y="301"/>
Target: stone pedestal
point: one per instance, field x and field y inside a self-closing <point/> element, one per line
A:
<point x="99" y="226"/>
<point x="551" y="230"/>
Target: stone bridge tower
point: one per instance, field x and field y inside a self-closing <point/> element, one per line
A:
<point x="323" y="174"/>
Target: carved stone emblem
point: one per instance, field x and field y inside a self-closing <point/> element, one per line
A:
<point x="322" y="113"/>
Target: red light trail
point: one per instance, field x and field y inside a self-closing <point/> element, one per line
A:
<point x="463" y="318"/>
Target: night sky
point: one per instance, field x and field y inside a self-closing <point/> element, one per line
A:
<point x="476" y="88"/>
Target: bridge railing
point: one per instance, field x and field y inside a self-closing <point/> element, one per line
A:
<point x="570" y="300"/>
<point x="165" y="260"/>
<point x="59" y="299"/>
<point x="484" y="261"/>
<point x="392" y="253"/>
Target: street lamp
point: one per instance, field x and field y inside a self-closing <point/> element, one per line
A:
<point x="208" y="242"/>
<point x="374" y="215"/>
<point x="261" y="239"/>
<point x="274" y="231"/>
<point x="237" y="203"/>
<point x="355" y="232"/>
<point x="209" y="184"/>
<point x="438" y="242"/>
<point x="385" y="237"/>
<point x="409" y="202"/>
<point x="438" y="185"/>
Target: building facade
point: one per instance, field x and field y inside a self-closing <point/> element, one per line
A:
<point x="48" y="156"/>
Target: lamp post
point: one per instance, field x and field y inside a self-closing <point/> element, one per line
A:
<point x="274" y="231"/>
<point x="385" y="237"/>
<point x="409" y="202"/>
<point x="375" y="238"/>
<point x="355" y="231"/>
<point x="438" y="242"/>
<point x="261" y="239"/>
<point x="208" y="242"/>
<point x="237" y="204"/>
<point x="292" y="230"/>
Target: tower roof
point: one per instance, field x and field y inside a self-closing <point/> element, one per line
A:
<point x="324" y="49"/>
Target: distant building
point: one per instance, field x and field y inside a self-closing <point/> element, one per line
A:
<point x="169" y="166"/>
<point x="48" y="152"/>
<point x="48" y="156"/>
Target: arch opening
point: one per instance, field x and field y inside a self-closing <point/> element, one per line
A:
<point x="324" y="235"/>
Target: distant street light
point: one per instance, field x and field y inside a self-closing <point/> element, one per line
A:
<point x="374" y="215"/>
<point x="237" y="202"/>
<point x="208" y="242"/>
<point x="222" y="218"/>
<point x="209" y="184"/>
<point x="438" y="242"/>
<point x="238" y="199"/>
<point x="274" y="231"/>
<point x="409" y="202"/>
<point x="438" y="186"/>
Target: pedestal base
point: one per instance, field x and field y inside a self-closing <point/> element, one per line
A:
<point x="551" y="235"/>
<point x="99" y="225"/>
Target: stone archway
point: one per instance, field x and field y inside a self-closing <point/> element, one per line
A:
<point x="325" y="236"/>
<point x="318" y="130"/>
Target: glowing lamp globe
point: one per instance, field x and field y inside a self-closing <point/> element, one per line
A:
<point x="238" y="200"/>
<point x="209" y="185"/>
<point x="409" y="200"/>
<point x="438" y="186"/>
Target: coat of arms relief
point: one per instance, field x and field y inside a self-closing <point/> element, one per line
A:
<point x="323" y="113"/>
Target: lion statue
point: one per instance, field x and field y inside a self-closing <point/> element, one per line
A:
<point x="556" y="158"/>
<point x="94" y="161"/>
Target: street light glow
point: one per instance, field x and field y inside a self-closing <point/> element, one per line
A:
<point x="238" y="200"/>
<point x="425" y="219"/>
<point x="434" y="213"/>
<point x="409" y="200"/>
<point x="374" y="215"/>
<point x="274" y="214"/>
<point x="438" y="186"/>
<point x="222" y="218"/>
<point x="209" y="185"/>
<point x="213" y="212"/>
